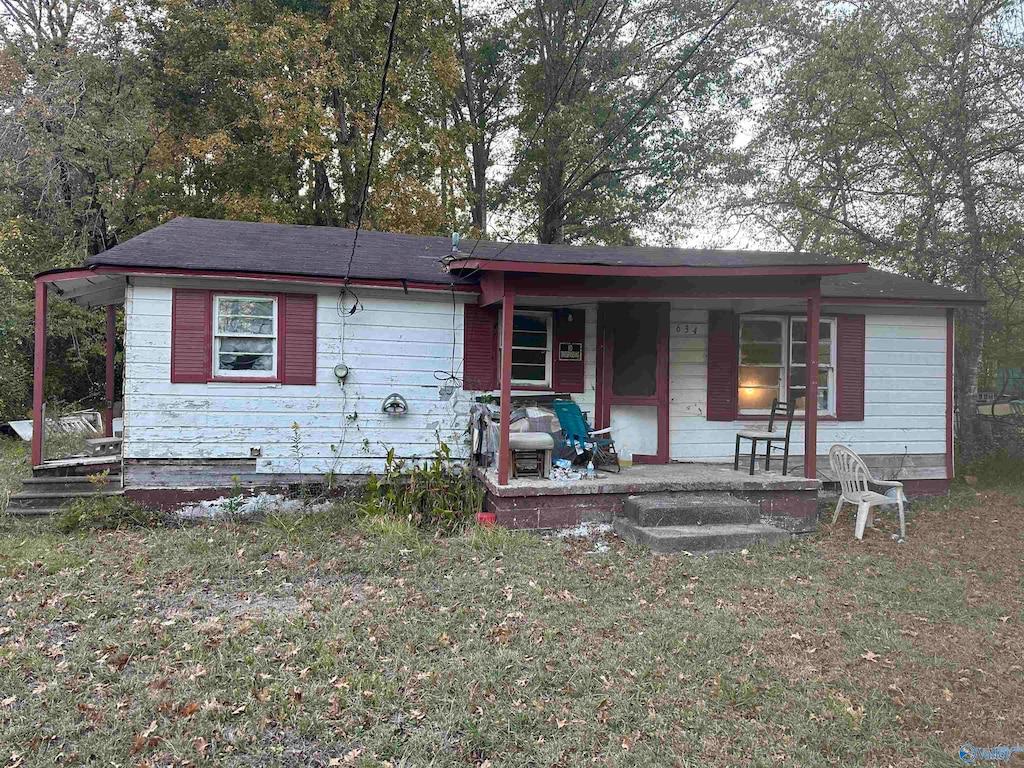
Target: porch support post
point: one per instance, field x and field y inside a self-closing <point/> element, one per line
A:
<point x="504" y="457"/>
<point x="38" y="374"/>
<point x="811" y="399"/>
<point x="108" y="420"/>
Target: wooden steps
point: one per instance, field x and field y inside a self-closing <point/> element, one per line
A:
<point x="56" y="483"/>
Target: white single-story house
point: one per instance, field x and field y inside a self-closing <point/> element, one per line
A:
<point x="267" y="352"/>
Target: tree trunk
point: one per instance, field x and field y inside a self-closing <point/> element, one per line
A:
<point x="323" y="196"/>
<point x="552" y="207"/>
<point x="478" y="186"/>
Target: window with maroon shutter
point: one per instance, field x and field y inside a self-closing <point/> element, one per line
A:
<point x="480" y="348"/>
<point x="850" y="353"/>
<point x="570" y="332"/>
<point x="234" y="336"/>
<point x="298" y="338"/>
<point x="723" y="362"/>
<point x="191" y="336"/>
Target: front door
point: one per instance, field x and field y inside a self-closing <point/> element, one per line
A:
<point x="632" y="392"/>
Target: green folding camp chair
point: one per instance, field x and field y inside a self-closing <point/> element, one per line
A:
<point x="583" y="438"/>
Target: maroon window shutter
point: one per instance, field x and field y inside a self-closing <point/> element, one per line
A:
<point x="569" y="337"/>
<point x="850" y="368"/>
<point x="480" y="348"/>
<point x="298" y="338"/>
<point x="191" y="336"/>
<point x="723" y="365"/>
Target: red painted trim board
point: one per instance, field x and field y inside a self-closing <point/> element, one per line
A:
<point x="53" y="276"/>
<point x="504" y="455"/>
<point x="38" y="373"/>
<point x="679" y="271"/>
<point x="108" y="422"/>
<point x="71" y="274"/>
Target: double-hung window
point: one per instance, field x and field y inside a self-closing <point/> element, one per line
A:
<point x="773" y="363"/>
<point x="245" y="336"/>
<point x="531" y="349"/>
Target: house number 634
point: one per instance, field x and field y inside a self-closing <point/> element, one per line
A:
<point x="686" y="329"/>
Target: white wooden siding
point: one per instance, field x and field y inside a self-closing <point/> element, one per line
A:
<point x="905" y="392"/>
<point x="398" y="342"/>
<point x="394" y="345"/>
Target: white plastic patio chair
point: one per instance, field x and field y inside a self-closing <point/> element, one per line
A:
<point x="855" y="481"/>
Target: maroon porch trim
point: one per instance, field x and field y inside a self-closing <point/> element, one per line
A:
<point x="108" y="425"/>
<point x="484" y="264"/>
<point x="71" y="274"/>
<point x="504" y="456"/>
<point x="811" y="392"/>
<point x="604" y="398"/>
<point x="492" y="288"/>
<point x="38" y="374"/>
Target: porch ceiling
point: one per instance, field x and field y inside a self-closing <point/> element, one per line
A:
<point x="91" y="290"/>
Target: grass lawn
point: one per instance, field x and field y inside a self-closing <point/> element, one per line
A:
<point x="320" y="641"/>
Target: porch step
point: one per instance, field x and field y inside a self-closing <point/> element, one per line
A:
<point x="699" y="539"/>
<point x="659" y="509"/>
<point x="79" y="466"/>
<point x="32" y="502"/>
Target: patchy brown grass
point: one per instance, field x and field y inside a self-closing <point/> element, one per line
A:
<point x="312" y="642"/>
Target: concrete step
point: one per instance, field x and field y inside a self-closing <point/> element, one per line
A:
<point x="699" y="539"/>
<point x="657" y="509"/>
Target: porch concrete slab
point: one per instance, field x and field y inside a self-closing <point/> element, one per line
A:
<point x="653" y="478"/>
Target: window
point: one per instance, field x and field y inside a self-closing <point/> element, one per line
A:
<point x="773" y="363"/>
<point x="245" y="336"/>
<point x="531" y="349"/>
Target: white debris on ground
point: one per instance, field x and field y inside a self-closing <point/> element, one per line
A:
<point x="596" y="531"/>
<point x="235" y="507"/>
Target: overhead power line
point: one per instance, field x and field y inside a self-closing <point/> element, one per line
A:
<point x="373" y="147"/>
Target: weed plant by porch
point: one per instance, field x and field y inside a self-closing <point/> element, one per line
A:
<point x="436" y="493"/>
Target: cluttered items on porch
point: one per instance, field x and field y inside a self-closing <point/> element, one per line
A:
<point x="536" y="440"/>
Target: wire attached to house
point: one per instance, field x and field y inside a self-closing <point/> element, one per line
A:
<point x="347" y="289"/>
<point x="450" y="380"/>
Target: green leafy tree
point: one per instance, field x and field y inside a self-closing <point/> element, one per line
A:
<point x="77" y="129"/>
<point x="893" y="133"/>
<point x="272" y="107"/>
<point x="627" y="107"/>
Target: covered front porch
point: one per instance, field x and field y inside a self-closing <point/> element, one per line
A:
<point x="652" y="354"/>
<point x="658" y="362"/>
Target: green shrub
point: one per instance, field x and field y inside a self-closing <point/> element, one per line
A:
<point x="102" y="512"/>
<point x="996" y="470"/>
<point x="437" y="493"/>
